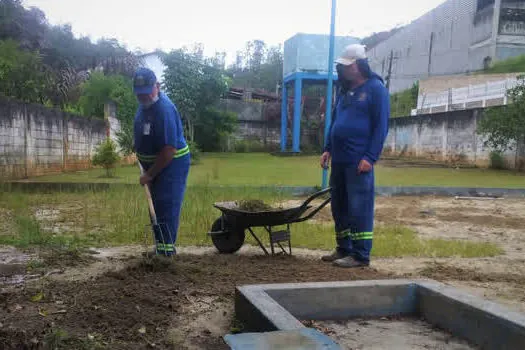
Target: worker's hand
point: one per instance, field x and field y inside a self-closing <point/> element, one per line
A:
<point x="145" y="179"/>
<point x="325" y="158"/>
<point x="364" y="166"/>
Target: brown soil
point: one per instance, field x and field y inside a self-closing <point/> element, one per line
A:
<point x="170" y="304"/>
<point x="439" y="271"/>
<point x="500" y="221"/>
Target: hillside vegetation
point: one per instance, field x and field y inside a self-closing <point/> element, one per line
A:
<point x="511" y="65"/>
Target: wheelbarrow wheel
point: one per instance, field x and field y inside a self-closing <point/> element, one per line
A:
<point x="230" y="240"/>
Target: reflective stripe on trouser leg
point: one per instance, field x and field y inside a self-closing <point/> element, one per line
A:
<point x="339" y="207"/>
<point x="354" y="209"/>
<point x="168" y="194"/>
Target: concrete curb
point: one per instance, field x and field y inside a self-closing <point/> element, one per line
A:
<point x="279" y="307"/>
<point x="385" y="191"/>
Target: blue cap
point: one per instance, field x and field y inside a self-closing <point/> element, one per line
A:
<point x="143" y="81"/>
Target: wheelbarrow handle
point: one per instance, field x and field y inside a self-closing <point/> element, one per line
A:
<point x="152" y="213"/>
<point x="315" y="195"/>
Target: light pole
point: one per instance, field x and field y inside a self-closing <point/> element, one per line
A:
<point x="329" y="88"/>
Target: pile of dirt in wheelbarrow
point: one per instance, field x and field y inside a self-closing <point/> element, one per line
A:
<point x="186" y="303"/>
<point x="256" y="205"/>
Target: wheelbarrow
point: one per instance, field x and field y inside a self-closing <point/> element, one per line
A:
<point x="228" y="232"/>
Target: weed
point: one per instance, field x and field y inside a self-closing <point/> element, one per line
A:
<point x="236" y="326"/>
<point x="119" y="216"/>
<point x="55" y="338"/>
<point x="496" y="160"/>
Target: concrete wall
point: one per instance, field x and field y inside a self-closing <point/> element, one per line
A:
<point x="437" y="43"/>
<point x="453" y="38"/>
<point x="255" y="120"/>
<point x="449" y="137"/>
<point x="443" y="83"/>
<point x="261" y="121"/>
<point x="35" y="140"/>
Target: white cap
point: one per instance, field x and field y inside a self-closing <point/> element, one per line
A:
<point x="351" y="54"/>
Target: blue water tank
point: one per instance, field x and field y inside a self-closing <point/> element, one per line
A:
<point x="309" y="52"/>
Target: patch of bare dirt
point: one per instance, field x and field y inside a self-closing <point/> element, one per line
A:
<point x="390" y="333"/>
<point x="170" y="304"/>
<point x="440" y="271"/>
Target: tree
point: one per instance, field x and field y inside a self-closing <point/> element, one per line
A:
<point x="27" y="27"/>
<point x="214" y="126"/>
<point x="100" y="88"/>
<point x="64" y="61"/>
<point x="504" y="126"/>
<point x="258" y="66"/>
<point x="21" y="73"/>
<point x="193" y="85"/>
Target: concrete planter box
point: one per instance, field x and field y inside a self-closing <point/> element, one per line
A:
<point x="279" y="307"/>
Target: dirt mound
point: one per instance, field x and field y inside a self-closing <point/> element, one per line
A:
<point x="147" y="302"/>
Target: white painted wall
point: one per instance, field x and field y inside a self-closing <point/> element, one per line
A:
<point x="153" y="62"/>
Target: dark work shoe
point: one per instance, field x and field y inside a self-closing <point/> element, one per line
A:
<point x="349" y="262"/>
<point x="333" y="257"/>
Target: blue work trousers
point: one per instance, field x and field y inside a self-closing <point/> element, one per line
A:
<point x="353" y="210"/>
<point x="167" y="192"/>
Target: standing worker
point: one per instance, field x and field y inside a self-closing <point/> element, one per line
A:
<point x="357" y="133"/>
<point x="164" y="154"/>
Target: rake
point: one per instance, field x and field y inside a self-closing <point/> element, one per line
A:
<point x="161" y="228"/>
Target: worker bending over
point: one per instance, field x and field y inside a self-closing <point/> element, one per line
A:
<point x="358" y="130"/>
<point x="163" y="152"/>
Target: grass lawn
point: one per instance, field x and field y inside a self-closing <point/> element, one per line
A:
<point x="117" y="217"/>
<point x="264" y="169"/>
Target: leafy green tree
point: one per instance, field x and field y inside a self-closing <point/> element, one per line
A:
<point x="27" y="27"/>
<point x="504" y="126"/>
<point x="100" y="89"/>
<point x="21" y="73"/>
<point x="193" y="85"/>
<point x="258" y="66"/>
<point x="213" y="128"/>
<point x="64" y="60"/>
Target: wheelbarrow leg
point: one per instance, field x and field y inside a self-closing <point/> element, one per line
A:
<point x="289" y="242"/>
<point x="269" y="229"/>
<point x="258" y="241"/>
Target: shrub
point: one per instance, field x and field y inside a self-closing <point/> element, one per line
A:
<point x="125" y="139"/>
<point x="248" y="146"/>
<point x="106" y="156"/>
<point x="496" y="160"/>
<point x="195" y="151"/>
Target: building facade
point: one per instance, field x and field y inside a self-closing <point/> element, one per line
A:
<point x="457" y="37"/>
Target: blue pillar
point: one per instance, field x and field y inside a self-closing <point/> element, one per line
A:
<point x="284" y="117"/>
<point x="297" y="114"/>
<point x="329" y="88"/>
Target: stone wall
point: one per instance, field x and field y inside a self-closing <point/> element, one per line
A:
<point x="255" y="120"/>
<point x="35" y="140"/>
<point x="261" y="121"/>
<point x="450" y="137"/>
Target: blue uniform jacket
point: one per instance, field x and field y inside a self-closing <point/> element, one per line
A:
<point x="158" y="126"/>
<point x="360" y="123"/>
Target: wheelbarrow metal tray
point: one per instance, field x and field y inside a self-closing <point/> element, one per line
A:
<point x="244" y="218"/>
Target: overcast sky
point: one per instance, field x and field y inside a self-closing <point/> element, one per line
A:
<point x="224" y="25"/>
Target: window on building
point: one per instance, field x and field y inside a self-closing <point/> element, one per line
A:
<point x="484" y="3"/>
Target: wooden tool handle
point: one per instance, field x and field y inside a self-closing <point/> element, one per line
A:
<point x="152" y="213"/>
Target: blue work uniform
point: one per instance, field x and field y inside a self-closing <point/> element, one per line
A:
<point x="358" y="131"/>
<point x="155" y="127"/>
